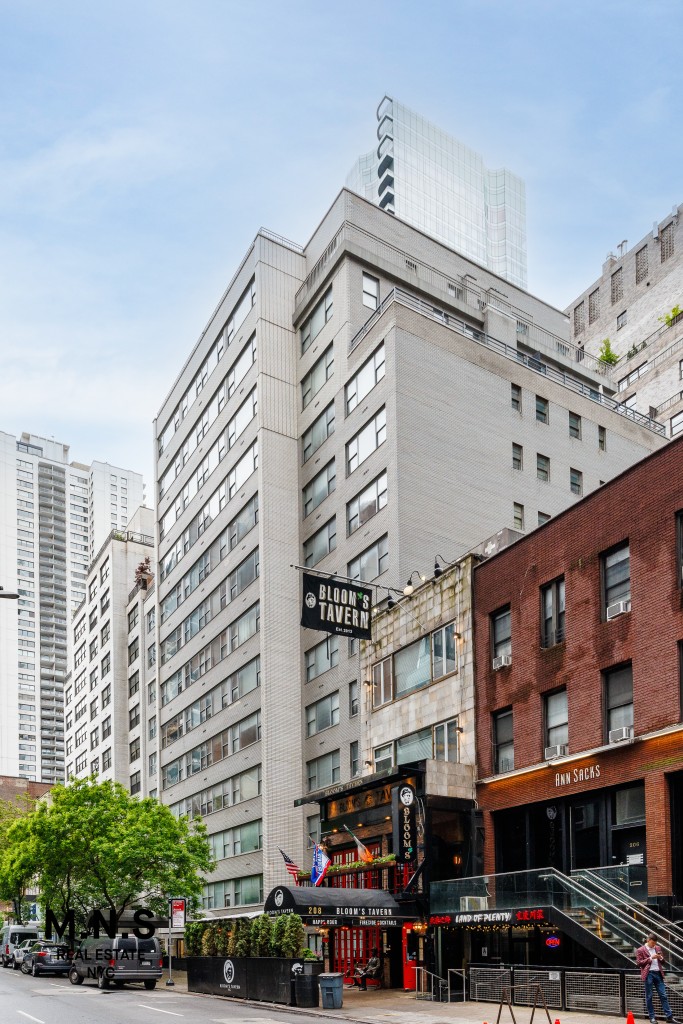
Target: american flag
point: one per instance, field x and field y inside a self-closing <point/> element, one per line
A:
<point x="290" y="865"/>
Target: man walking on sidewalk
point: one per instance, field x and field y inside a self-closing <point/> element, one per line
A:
<point x="650" y="959"/>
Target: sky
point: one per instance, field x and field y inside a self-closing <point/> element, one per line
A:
<point x="142" y="145"/>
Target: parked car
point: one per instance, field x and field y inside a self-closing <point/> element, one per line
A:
<point x="11" y="936"/>
<point x="46" y="958"/>
<point x="19" y="952"/>
<point x="117" y="961"/>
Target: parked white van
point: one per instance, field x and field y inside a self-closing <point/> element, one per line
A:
<point x="12" y="935"/>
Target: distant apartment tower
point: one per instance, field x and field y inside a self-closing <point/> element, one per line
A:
<point x="111" y="686"/>
<point x="431" y="180"/>
<point x="52" y="514"/>
<point x="634" y="304"/>
<point x="355" y="406"/>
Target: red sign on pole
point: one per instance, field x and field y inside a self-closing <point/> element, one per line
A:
<point x="177" y="915"/>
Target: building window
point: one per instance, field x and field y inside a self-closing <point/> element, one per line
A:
<point x="501" y="632"/>
<point x="579" y="318"/>
<point x="383" y="756"/>
<point x="553" y="613"/>
<point x="666" y="242"/>
<point x="132" y="618"/>
<point x="313" y="829"/>
<point x="679" y="548"/>
<point x="503" y="742"/>
<point x="633" y="376"/>
<point x="366" y="504"/>
<point x="133" y="650"/>
<point x="317" y="376"/>
<point x="322" y="485"/>
<point x="152" y="692"/>
<point x="362" y="383"/>
<point x="602" y="439"/>
<point x="412" y="667"/>
<point x="323" y="714"/>
<point x="382" y="686"/>
<point x="576" y="481"/>
<point x="542" y="410"/>
<point x="622" y="320"/>
<point x="106" y="759"/>
<point x="516" y="397"/>
<point x="543" y="468"/>
<point x="518" y="515"/>
<point x="106" y="727"/>
<point x="371" y="563"/>
<point x="354" y="759"/>
<point x="94" y="738"/>
<point x="556" y="716"/>
<point x="543" y="518"/>
<point x="104" y="602"/>
<point x="134" y="749"/>
<point x="321" y="658"/>
<point x="617" y="286"/>
<point x="370" y="291"/>
<point x="676" y="424"/>
<point x="133" y="684"/>
<point x="106" y="633"/>
<point x="318" y="432"/>
<point x="106" y="695"/>
<point x="323" y="771"/>
<point x="152" y="727"/>
<point x="152" y="763"/>
<point x="321" y="543"/>
<point x="517" y="451"/>
<point x="446" y="741"/>
<point x="134" y="716"/>
<point x="574" y="425"/>
<point x="151" y="619"/>
<point x="618" y="700"/>
<point x="135" y="783"/>
<point x="106" y="664"/>
<point x="443" y="651"/>
<point x="616" y="571"/>
<point x="151" y="655"/>
<point x="594" y="306"/>
<point x="354" y="699"/>
<point x="366" y="441"/>
<point x="641" y="265"/>
<point x="314" y="324"/>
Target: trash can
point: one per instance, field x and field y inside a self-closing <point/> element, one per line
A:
<point x="331" y="990"/>
<point x="306" y="990"/>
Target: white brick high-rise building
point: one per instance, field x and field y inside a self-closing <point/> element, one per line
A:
<point x="53" y="513"/>
<point x="358" y="405"/>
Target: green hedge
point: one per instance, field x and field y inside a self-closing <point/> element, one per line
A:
<point x="243" y="936"/>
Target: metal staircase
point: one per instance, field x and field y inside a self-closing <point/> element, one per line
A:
<point x="588" y="905"/>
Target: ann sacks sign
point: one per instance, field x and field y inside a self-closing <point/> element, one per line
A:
<point x="336" y="607"/>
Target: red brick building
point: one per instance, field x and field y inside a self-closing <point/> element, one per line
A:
<point x="579" y="643"/>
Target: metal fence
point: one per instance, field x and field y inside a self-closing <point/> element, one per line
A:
<point x="608" y="991"/>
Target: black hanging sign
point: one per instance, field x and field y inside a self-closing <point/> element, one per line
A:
<point x="338" y="607"/>
<point x="403" y="808"/>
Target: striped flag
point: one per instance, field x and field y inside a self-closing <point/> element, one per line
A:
<point x="321" y="863"/>
<point x="290" y="865"/>
<point x="363" y="852"/>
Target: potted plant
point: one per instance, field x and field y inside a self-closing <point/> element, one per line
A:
<point x="607" y="353"/>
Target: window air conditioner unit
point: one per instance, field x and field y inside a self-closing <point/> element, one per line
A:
<point x="502" y="662"/>
<point x="559" y="750"/>
<point x="619" y="735"/>
<point x="468" y="903"/>
<point x="618" y="608"/>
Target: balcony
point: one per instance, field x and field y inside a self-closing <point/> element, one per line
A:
<point x="391" y="877"/>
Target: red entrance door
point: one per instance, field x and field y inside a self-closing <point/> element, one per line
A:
<point x="353" y="947"/>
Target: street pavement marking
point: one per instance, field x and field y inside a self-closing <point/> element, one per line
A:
<point x="37" y="1019"/>
<point x="172" y="1014"/>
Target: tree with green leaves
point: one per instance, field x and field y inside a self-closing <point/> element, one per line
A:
<point x="93" y="846"/>
<point x="14" y="891"/>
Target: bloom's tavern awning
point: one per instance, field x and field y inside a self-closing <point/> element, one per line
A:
<point x="329" y="907"/>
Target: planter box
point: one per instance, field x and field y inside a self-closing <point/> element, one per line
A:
<point x="268" y="979"/>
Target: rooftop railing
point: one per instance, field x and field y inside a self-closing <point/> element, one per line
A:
<point x="533" y="362"/>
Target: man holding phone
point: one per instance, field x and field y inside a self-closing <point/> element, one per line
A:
<point x="650" y="959"/>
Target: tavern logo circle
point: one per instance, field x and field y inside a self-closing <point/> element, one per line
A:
<point x="406" y="796"/>
<point x="311" y="600"/>
<point x="279" y="897"/>
<point x="229" y="972"/>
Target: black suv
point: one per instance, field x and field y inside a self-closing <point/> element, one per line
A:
<point x="46" y="958"/>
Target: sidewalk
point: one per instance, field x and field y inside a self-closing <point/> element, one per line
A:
<point x="389" y="1005"/>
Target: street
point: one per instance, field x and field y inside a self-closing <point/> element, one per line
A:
<point x="52" y="1000"/>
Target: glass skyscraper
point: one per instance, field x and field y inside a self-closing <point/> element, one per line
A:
<point x="434" y="182"/>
